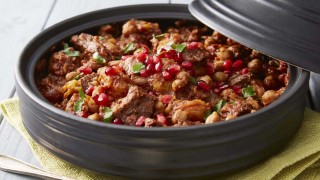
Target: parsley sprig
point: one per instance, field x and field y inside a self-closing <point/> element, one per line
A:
<point x="98" y="58"/>
<point x="179" y="47"/>
<point x="70" y="51"/>
<point x="78" y="104"/>
<point x="107" y="117"/>
<point x="137" y="67"/>
<point x="248" y="91"/>
<point x="129" y="47"/>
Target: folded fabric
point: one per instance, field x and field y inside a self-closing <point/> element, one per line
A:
<point x="300" y="159"/>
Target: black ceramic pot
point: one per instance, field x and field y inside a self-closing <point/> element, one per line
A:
<point x="183" y="152"/>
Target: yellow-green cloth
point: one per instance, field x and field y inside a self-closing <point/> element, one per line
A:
<point x="300" y="159"/>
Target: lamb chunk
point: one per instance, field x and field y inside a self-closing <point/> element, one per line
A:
<point x="189" y="33"/>
<point x="50" y="87"/>
<point x="90" y="44"/>
<point x="197" y="54"/>
<point x="240" y="80"/>
<point x="236" y="109"/>
<point x="85" y="80"/>
<point x="61" y="64"/>
<point x="146" y="29"/>
<point x="137" y="103"/>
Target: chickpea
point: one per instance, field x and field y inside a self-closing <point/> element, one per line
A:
<point x="229" y="117"/>
<point x="270" y="82"/>
<point x="255" y="65"/>
<point x="214" y="117"/>
<point x="224" y="54"/>
<point x="179" y="116"/>
<point x="159" y="106"/>
<point x="181" y="81"/>
<point x="269" y="96"/>
<point x="71" y="75"/>
<point x="220" y="76"/>
<point x="95" y="117"/>
<point x="218" y="65"/>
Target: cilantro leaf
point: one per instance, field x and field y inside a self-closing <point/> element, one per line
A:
<point x="98" y="58"/>
<point x="107" y="117"/>
<point x="158" y="36"/>
<point x="248" y="91"/>
<point x="102" y="38"/>
<point x="78" y="104"/>
<point x="77" y="77"/>
<point x="129" y="47"/>
<point x="219" y="105"/>
<point x="207" y="113"/>
<point x="137" y="67"/>
<point x="69" y="51"/>
<point x="193" y="80"/>
<point x="178" y="47"/>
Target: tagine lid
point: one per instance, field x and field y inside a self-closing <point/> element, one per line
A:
<point x="285" y="29"/>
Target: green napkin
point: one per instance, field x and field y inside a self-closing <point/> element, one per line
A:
<point x="299" y="160"/>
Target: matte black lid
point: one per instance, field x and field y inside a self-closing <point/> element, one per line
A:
<point x="284" y="29"/>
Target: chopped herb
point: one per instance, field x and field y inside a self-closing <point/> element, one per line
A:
<point x="98" y="58"/>
<point x="78" y="104"/>
<point x="158" y="36"/>
<point x="137" y="67"/>
<point x="77" y="77"/>
<point x="178" y="47"/>
<point x="207" y="113"/>
<point x="193" y="80"/>
<point x="107" y="117"/>
<point x="69" y="51"/>
<point x="129" y="47"/>
<point x="117" y="58"/>
<point x="248" y="91"/>
<point x="102" y="38"/>
<point x="219" y="105"/>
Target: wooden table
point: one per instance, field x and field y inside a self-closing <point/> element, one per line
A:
<point x="20" y="21"/>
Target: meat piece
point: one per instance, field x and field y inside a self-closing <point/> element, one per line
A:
<point x="159" y="85"/>
<point x="140" y="27"/>
<point x="189" y="33"/>
<point x="240" y="80"/>
<point x="87" y="79"/>
<point x="137" y="103"/>
<point x="50" y="87"/>
<point x="236" y="109"/>
<point x="127" y="65"/>
<point x="183" y="110"/>
<point x="90" y="44"/>
<point x="60" y="64"/>
<point x="195" y="54"/>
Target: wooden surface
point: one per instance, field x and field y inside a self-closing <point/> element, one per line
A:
<point x="20" y="21"/>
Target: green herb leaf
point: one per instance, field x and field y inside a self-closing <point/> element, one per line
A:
<point x="178" y="47"/>
<point x="219" y="105"/>
<point x="158" y="36"/>
<point x="69" y="51"/>
<point x="129" y="47"/>
<point x="102" y="38"/>
<point x="193" y="80"/>
<point x="81" y="94"/>
<point x="248" y="91"/>
<point x="77" y="77"/>
<point x="78" y="105"/>
<point x="98" y="58"/>
<point x="207" y="113"/>
<point x="137" y="67"/>
<point x="107" y="117"/>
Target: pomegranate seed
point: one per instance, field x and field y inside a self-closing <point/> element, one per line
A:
<point x="149" y="60"/>
<point x="227" y="64"/>
<point x="144" y="73"/>
<point x="142" y="55"/>
<point x="191" y="72"/>
<point x="166" y="75"/>
<point x="117" y="121"/>
<point x="210" y="68"/>
<point x="187" y="64"/>
<point x="237" y="90"/>
<point x="203" y="85"/>
<point x="162" y="119"/>
<point x="162" y="53"/>
<point x="170" y="54"/>
<point x="237" y="65"/>
<point x="217" y="91"/>
<point x="83" y="114"/>
<point x="150" y="69"/>
<point x="244" y="71"/>
<point x="193" y="45"/>
<point x="89" y="90"/>
<point x="158" y="67"/>
<point x="178" y="57"/>
<point x="102" y="100"/>
<point x="166" y="98"/>
<point x="174" y="69"/>
<point x="110" y="71"/>
<point x="86" y="70"/>
<point x="140" y="121"/>
<point x="227" y="72"/>
<point x="156" y="59"/>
